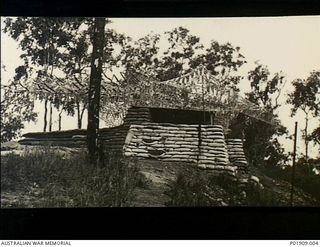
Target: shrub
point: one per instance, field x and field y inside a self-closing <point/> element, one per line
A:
<point x="199" y="188"/>
<point x="190" y="190"/>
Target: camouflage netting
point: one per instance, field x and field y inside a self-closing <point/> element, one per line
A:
<point x="198" y="90"/>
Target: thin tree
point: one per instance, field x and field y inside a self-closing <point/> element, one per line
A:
<point x="95" y="88"/>
<point x="306" y="97"/>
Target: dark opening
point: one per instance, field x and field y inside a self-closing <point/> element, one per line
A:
<point x="174" y="116"/>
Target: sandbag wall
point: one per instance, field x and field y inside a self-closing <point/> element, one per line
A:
<point x="203" y="145"/>
<point x="236" y="154"/>
<point x="113" y="138"/>
<point x="68" y="138"/>
<point x="137" y="115"/>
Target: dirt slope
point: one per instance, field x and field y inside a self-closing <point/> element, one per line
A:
<point x="159" y="176"/>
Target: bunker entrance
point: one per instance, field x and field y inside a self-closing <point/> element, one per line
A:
<point x="175" y="116"/>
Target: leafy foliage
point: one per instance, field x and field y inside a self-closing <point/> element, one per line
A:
<point x="222" y="60"/>
<point x="44" y="41"/>
<point x="306" y="94"/>
<point x="184" y="52"/>
<point x="140" y="55"/>
<point x="265" y="90"/>
<point x="315" y="136"/>
<point x="17" y="107"/>
<point x="306" y="97"/>
<point x="261" y="144"/>
<point x="182" y="49"/>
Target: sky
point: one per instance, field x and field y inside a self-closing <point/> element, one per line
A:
<point x="287" y="44"/>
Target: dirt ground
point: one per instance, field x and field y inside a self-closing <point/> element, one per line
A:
<point x="159" y="176"/>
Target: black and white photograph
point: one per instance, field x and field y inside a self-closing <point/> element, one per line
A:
<point x="160" y="112"/>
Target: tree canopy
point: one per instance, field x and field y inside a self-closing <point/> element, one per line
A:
<point x="306" y="97"/>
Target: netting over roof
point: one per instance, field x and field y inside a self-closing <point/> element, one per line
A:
<point x="197" y="90"/>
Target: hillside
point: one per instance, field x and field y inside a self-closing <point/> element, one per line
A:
<point x="161" y="178"/>
<point x="159" y="184"/>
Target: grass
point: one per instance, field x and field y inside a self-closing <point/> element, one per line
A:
<point x="57" y="180"/>
<point x="47" y="177"/>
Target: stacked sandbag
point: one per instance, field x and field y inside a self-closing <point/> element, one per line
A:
<point x="113" y="138"/>
<point x="229" y="170"/>
<point x="56" y="134"/>
<point x="255" y="181"/>
<point x="213" y="147"/>
<point x="137" y="115"/>
<point x="63" y="142"/>
<point x="68" y="138"/>
<point x="203" y="145"/>
<point x="236" y="154"/>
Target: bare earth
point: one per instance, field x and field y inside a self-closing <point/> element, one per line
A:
<point x="159" y="177"/>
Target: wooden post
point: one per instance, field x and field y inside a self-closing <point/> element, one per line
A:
<point x="306" y="137"/>
<point x="211" y="118"/>
<point x="203" y="106"/>
<point x="60" y="118"/>
<point x="45" y="115"/>
<point x="293" y="162"/>
<point x="50" y="117"/>
<point x="78" y="114"/>
<point x="199" y="144"/>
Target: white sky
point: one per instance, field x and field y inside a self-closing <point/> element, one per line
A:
<point x="287" y="44"/>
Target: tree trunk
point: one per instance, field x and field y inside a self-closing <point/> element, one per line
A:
<point x="306" y="137"/>
<point x="45" y="115"/>
<point x="50" y="118"/>
<point x="307" y="141"/>
<point x="94" y="89"/>
<point x="60" y="117"/>
<point x="81" y="114"/>
<point x="78" y="115"/>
